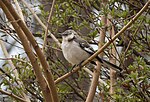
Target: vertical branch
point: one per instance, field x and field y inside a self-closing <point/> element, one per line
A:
<point x="112" y="60"/>
<point x="96" y="73"/>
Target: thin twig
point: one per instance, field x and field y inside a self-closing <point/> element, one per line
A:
<point x="19" y="10"/>
<point x="40" y="22"/>
<point x="12" y="95"/>
<point x="46" y="31"/>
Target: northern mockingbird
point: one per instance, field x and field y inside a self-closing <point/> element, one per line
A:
<point x="75" y="50"/>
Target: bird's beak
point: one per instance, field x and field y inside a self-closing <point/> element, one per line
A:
<point x="60" y="34"/>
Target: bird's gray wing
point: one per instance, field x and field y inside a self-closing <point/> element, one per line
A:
<point x="86" y="47"/>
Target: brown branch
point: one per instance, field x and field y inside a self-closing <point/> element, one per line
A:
<point x="97" y="70"/>
<point x="25" y="43"/>
<point x="112" y="60"/>
<point x="46" y="30"/>
<point x="104" y="46"/>
<point x="12" y="95"/>
<point x="37" y="49"/>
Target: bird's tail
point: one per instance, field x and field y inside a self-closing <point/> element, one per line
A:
<point x="108" y="64"/>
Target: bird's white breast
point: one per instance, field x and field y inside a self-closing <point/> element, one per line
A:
<point x="73" y="53"/>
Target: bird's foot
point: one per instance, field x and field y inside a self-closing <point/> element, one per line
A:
<point x="80" y="65"/>
<point x="71" y="69"/>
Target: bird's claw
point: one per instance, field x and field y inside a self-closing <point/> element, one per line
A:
<point x="76" y="66"/>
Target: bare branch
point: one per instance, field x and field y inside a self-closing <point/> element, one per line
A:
<point x="112" y="60"/>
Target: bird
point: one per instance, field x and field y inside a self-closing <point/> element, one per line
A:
<point x="75" y="50"/>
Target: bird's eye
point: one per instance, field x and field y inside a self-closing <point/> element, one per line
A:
<point x="64" y="34"/>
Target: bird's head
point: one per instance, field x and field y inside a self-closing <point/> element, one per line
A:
<point x="68" y="35"/>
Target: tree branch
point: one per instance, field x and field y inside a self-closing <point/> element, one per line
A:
<point x="97" y="70"/>
<point x="112" y="60"/>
